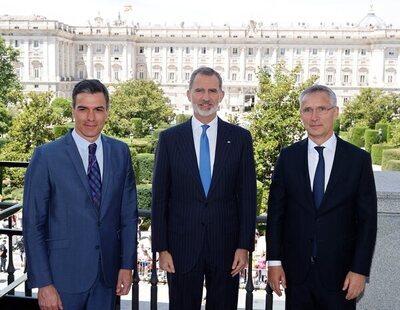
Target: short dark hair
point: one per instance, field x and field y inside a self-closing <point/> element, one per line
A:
<point x="205" y="71"/>
<point x="90" y="87"/>
<point x="317" y="88"/>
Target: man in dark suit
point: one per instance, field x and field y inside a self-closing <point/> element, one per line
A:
<point x="80" y="212"/>
<point x="322" y="213"/>
<point x="204" y="201"/>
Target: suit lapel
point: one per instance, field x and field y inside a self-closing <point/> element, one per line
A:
<point x="186" y="145"/>
<point x="305" y="174"/>
<point x="76" y="159"/>
<point x="106" y="173"/>
<point x="222" y="150"/>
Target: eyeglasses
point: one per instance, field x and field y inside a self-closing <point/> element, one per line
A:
<point x="319" y="110"/>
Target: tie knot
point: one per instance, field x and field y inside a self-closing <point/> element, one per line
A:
<point x="92" y="148"/>
<point x="319" y="149"/>
<point x="205" y="127"/>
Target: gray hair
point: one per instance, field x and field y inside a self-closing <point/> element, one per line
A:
<point x="205" y="71"/>
<point x="317" y="88"/>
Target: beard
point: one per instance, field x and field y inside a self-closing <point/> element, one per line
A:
<point x="205" y="113"/>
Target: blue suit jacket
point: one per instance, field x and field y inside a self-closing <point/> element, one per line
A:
<point x="183" y="218"/>
<point x="64" y="233"/>
<point x="344" y="225"/>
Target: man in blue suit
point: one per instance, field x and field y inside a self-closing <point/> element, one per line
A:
<point x="322" y="214"/>
<point x="204" y="201"/>
<point x="80" y="211"/>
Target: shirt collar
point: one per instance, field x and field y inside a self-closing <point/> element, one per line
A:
<point x="197" y="124"/>
<point x="83" y="144"/>
<point x="329" y="144"/>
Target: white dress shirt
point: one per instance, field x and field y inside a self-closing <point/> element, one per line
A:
<point x="211" y="135"/>
<point x="312" y="158"/>
<point x="83" y="148"/>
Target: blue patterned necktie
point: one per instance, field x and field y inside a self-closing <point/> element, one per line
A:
<point x="94" y="175"/>
<point x="205" y="166"/>
<point x="319" y="178"/>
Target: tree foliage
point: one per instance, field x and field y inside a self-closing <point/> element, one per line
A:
<point x="370" y="107"/>
<point x="63" y="108"/>
<point x="32" y="126"/>
<point x="275" y="120"/>
<point x="137" y="99"/>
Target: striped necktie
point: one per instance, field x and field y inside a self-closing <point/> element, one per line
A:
<point x="94" y="176"/>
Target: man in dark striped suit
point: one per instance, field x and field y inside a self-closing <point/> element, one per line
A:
<point x="204" y="201"/>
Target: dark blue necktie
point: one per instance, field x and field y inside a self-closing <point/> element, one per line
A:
<point x="205" y="166"/>
<point x="94" y="175"/>
<point x="319" y="178"/>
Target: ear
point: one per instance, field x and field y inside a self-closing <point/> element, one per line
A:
<point x="222" y="96"/>
<point x="188" y="95"/>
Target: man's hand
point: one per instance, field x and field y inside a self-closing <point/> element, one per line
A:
<point x="49" y="299"/>
<point x="124" y="282"/>
<point x="276" y="277"/>
<point x="239" y="261"/>
<point x="354" y="283"/>
<point x="166" y="262"/>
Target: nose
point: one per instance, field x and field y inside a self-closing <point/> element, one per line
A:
<point x="206" y="97"/>
<point x="90" y="115"/>
<point x="315" y="114"/>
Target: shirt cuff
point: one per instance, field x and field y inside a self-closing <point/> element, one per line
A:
<point x="274" y="263"/>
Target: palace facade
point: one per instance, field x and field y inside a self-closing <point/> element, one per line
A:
<point x="54" y="55"/>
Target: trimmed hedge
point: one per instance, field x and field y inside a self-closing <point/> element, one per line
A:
<point x="388" y="155"/>
<point x="142" y="145"/>
<point x="385" y="131"/>
<point x="156" y="133"/>
<point x="393" y="165"/>
<point x="344" y="135"/>
<point x="376" y="152"/>
<point x="144" y="196"/>
<point x="137" y="127"/>
<point x="60" y="130"/>
<point x="391" y="130"/>
<point x="357" y="136"/>
<point x="370" y="137"/>
<point x="145" y="166"/>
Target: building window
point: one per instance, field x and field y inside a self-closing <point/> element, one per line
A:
<point x="98" y="31"/>
<point x="250" y="51"/>
<point x="297" y="78"/>
<point x="345" y="99"/>
<point x="36" y="86"/>
<point x="98" y="48"/>
<point x="282" y="52"/>
<point x="219" y="50"/>
<point x="116" y="75"/>
<point x="363" y="52"/>
<point x="98" y="75"/>
<point x="187" y="76"/>
<point x="234" y="51"/>
<point x="347" y="52"/>
<point x="141" y="50"/>
<point x="329" y="79"/>
<point x="250" y="76"/>
<point x="16" y="43"/>
<point x="330" y="52"/>
<point x="233" y="76"/>
<point x="362" y="79"/>
<point x="187" y="50"/>
<point x="171" y="76"/>
<point x="298" y="51"/>
<point x="156" y="75"/>
<point x="391" y="53"/>
<point x="390" y="79"/>
<point x="156" y="50"/>
<point x="81" y="48"/>
<point x="203" y="50"/>
<point x="116" y="49"/>
<point x="314" y="51"/>
<point x="36" y="43"/>
<point x="346" y="78"/>
<point x="188" y="36"/>
<point x="186" y="108"/>
<point x="36" y="73"/>
<point x="81" y="74"/>
<point x="171" y="50"/>
<point x="266" y="51"/>
<point x="141" y="75"/>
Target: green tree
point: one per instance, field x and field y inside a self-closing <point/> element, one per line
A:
<point x="32" y="126"/>
<point x="370" y="107"/>
<point x="275" y="120"/>
<point x="137" y="99"/>
<point x="63" y="108"/>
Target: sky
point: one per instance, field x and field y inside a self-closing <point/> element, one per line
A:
<point x="207" y="12"/>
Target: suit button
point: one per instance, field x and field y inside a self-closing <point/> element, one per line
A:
<point x="98" y="224"/>
<point x="97" y="247"/>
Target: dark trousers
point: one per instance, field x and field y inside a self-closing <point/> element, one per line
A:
<point x="312" y="295"/>
<point x="186" y="290"/>
<point x="99" y="296"/>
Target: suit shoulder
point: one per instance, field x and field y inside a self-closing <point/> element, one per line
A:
<point x="351" y="148"/>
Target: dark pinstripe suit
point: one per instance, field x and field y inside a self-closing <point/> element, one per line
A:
<point x="184" y="220"/>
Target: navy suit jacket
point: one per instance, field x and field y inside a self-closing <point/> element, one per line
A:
<point x="183" y="218"/>
<point x="344" y="226"/>
<point x="64" y="233"/>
